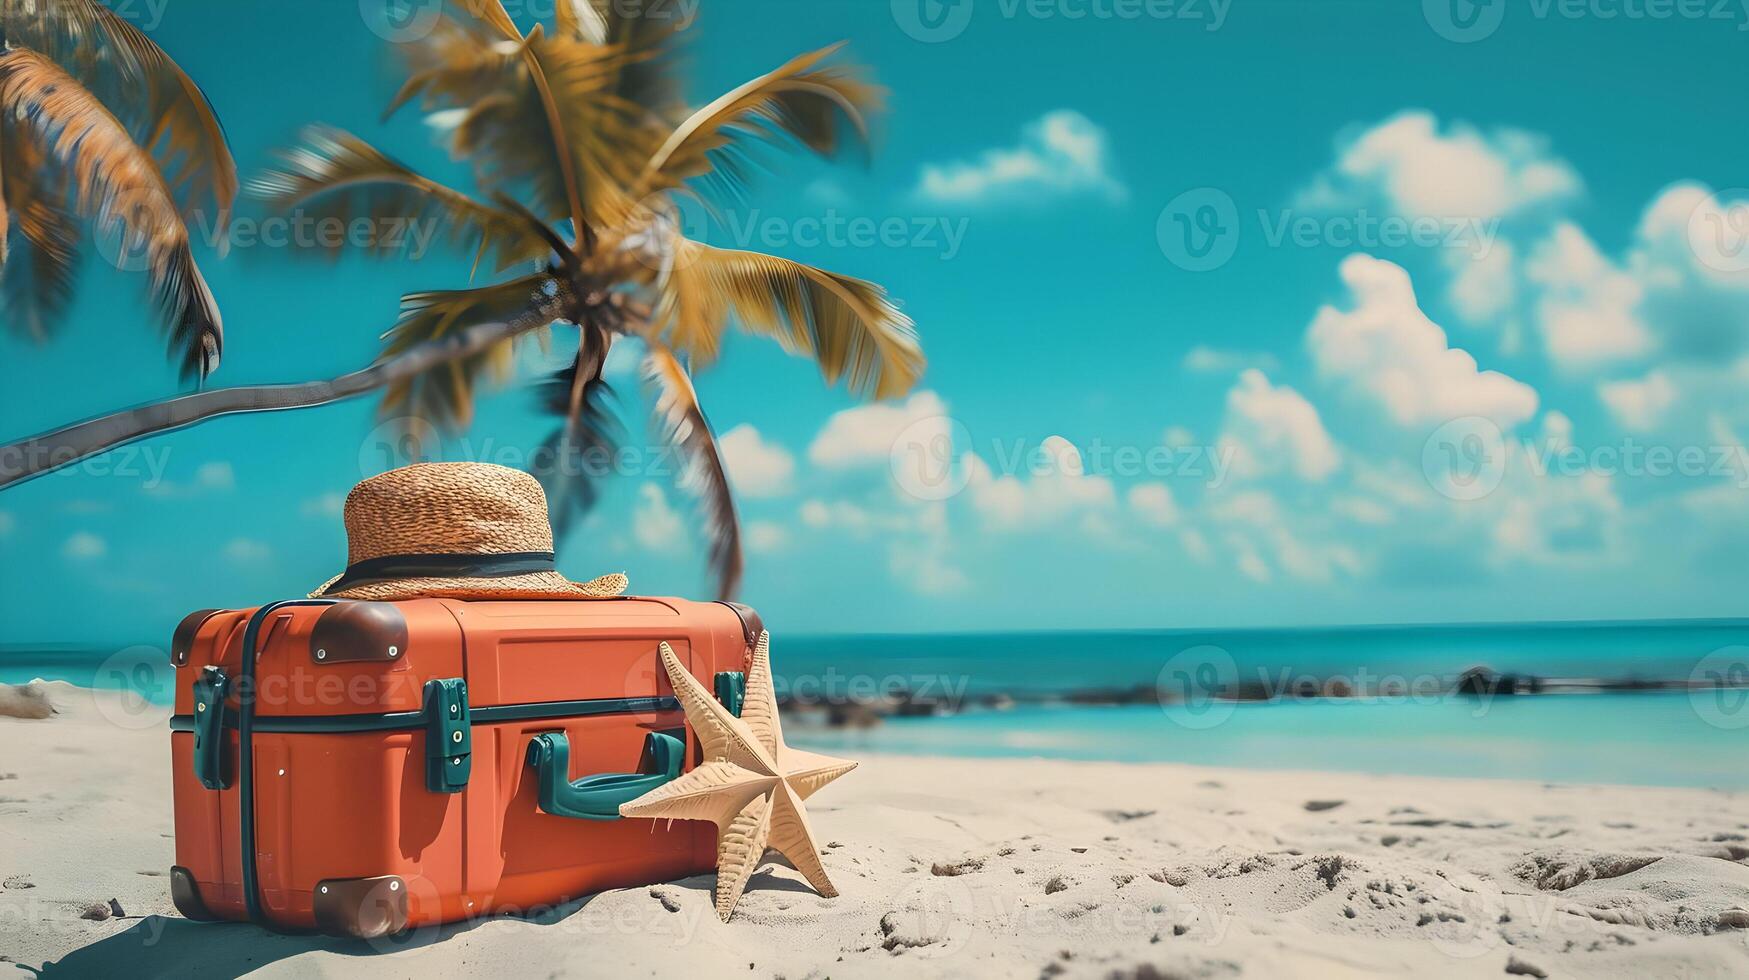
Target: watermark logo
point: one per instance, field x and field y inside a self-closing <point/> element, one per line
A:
<point x="134" y="687"/>
<point x="398" y="442"/>
<point x="1465" y="459"/>
<point x="923" y="458"/>
<point x="1719" y="688"/>
<point x="1464" y="21"/>
<point x="1718" y="231"/>
<point x="932" y="21"/>
<point x="933" y="919"/>
<point x="400" y="21"/>
<point x="1194" y="687"/>
<point x="1199" y="229"/>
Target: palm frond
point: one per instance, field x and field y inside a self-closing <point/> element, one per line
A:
<point x="333" y="174"/>
<point x="163" y="109"/>
<point x="801" y="100"/>
<point x="683" y="423"/>
<point x="847" y="325"/>
<point x="579" y="452"/>
<point x="492" y="14"/>
<point x="444" y="397"/>
<point x="582" y="20"/>
<point x="644" y="32"/>
<point x="5" y="213"/>
<point x="118" y="184"/>
<point x="538" y="113"/>
<point x="37" y="279"/>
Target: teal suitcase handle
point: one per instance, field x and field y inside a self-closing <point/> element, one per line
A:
<point x="210" y="690"/>
<point x="598" y="797"/>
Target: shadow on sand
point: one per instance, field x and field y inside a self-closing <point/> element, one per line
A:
<point x="168" y="946"/>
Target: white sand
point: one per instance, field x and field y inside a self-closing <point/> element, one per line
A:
<point x="956" y="867"/>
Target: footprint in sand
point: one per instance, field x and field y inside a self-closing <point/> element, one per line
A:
<point x="954" y="869"/>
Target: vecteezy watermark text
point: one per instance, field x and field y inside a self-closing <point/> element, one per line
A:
<point x="1467" y="458"/>
<point x="407" y="21"/>
<point x="1467" y="21"/>
<point x="1200" y="230"/>
<point x="936" y="21"/>
<point x="832" y="229"/>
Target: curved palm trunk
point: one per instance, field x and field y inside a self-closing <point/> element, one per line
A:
<point x="52" y="450"/>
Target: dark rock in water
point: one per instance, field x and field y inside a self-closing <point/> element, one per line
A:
<point x="852" y="714"/>
<point x="1485" y="682"/>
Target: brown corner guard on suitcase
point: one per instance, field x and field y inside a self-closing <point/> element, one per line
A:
<point x="246" y="724"/>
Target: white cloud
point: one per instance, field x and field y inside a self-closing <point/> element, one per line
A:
<point x="757" y="468"/>
<point x="327" y="505"/>
<point x="1639" y="404"/>
<point x="1386" y="350"/>
<point x="1417" y="169"/>
<point x="1057" y="484"/>
<point x="1213" y="360"/>
<point x="83" y="546"/>
<point x="1272" y="429"/>
<point x="1483" y="286"/>
<point x="1062" y="152"/>
<point x="863" y="522"/>
<point x="216" y="476"/>
<point x="765" y="537"/>
<point x="1195" y="544"/>
<point x="865" y="434"/>
<point x="246" y="551"/>
<point x="1361" y="510"/>
<point x="1153" y="503"/>
<point x="1588" y="310"/>
<point x="1549" y="519"/>
<point x="827" y="191"/>
<point x="924" y="567"/>
<point x="1263" y="538"/>
<point x="655" y="524"/>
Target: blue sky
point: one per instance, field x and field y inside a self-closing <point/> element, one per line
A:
<point x="1460" y="330"/>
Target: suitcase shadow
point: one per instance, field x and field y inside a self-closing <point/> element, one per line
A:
<point x="169" y="946"/>
<point x="165" y="946"/>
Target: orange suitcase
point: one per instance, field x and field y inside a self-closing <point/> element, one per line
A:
<point x="377" y="766"/>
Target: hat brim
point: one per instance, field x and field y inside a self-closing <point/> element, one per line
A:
<point x="533" y="585"/>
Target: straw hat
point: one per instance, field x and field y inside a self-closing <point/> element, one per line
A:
<point x="463" y="530"/>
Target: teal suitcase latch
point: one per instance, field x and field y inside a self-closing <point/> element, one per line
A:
<point x="449" y="735"/>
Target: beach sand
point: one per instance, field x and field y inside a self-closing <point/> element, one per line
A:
<point x="950" y="867"/>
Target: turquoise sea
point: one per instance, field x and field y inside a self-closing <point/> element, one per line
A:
<point x="1020" y="694"/>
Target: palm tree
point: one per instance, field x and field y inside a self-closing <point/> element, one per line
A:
<point x="583" y="153"/>
<point x="98" y="126"/>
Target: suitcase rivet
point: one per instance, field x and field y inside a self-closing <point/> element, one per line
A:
<point x="394" y="651"/>
<point x="324" y="889"/>
<point x="200" y="707"/>
<point x="455" y="736"/>
<point x="282" y="772"/>
<point x="455" y="709"/>
<point x="321" y="655"/>
<point x="455" y="762"/>
<point x="394" y="886"/>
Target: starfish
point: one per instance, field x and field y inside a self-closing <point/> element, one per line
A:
<point x="751" y="784"/>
